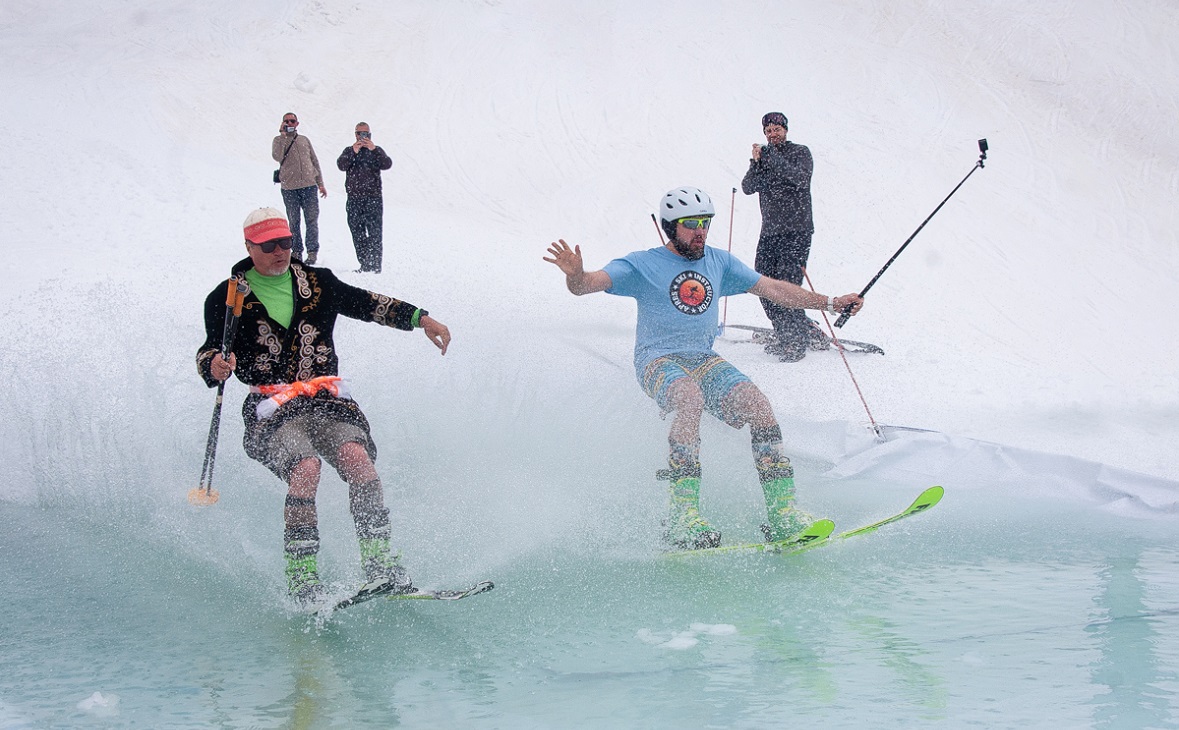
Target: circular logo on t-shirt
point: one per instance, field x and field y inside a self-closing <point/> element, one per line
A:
<point x="691" y="293"/>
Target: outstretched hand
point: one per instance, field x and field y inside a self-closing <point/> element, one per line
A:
<point x="568" y="260"/>
<point x="438" y="333"/>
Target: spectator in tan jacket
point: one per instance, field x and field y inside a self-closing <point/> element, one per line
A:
<point x="299" y="174"/>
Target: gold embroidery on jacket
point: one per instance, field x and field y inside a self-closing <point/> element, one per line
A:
<point x="270" y="341"/>
<point x="310" y="354"/>
<point x="381" y="307"/>
<point x="309" y="288"/>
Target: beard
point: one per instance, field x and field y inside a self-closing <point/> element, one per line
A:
<point x="685" y="250"/>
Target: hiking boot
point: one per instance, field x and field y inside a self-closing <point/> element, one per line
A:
<point x="380" y="565"/>
<point x="786" y="351"/>
<point x="303" y="584"/>
<point x="785" y="524"/>
<point x="817" y="339"/>
<point x="310" y="260"/>
<point x="792" y="351"/>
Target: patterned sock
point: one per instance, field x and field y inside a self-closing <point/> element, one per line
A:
<point x="683" y="460"/>
<point x="301" y="536"/>
<point x="367" y="502"/>
<point x="771" y="463"/>
<point x="773" y="468"/>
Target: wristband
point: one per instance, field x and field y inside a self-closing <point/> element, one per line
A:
<point x="416" y="320"/>
<point x="830" y="305"/>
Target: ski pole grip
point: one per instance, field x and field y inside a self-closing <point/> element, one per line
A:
<point x="844" y="317"/>
<point x="231" y="295"/>
<point x="239" y="297"/>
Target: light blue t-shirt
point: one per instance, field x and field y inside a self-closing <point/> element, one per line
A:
<point x="677" y="298"/>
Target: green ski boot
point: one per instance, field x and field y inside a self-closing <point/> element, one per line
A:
<point x="784" y="519"/>
<point x="381" y="565"/>
<point x="685" y="528"/>
<point x="303" y="584"/>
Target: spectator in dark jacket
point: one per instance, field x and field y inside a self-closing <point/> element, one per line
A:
<point x="362" y="163"/>
<point x="780" y="172"/>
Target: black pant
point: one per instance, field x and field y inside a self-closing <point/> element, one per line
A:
<point x="783" y="255"/>
<point x="365" y="216"/>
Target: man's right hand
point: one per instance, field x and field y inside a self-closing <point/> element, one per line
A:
<point x="567" y="259"/>
<point x="577" y="279"/>
<point x="756" y="152"/>
<point x="220" y="368"/>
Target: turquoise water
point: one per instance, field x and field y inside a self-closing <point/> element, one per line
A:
<point x="1050" y="615"/>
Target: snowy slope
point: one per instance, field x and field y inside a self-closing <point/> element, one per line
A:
<point x="1034" y="311"/>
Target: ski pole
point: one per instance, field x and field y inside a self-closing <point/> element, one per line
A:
<point x="658" y="230"/>
<point x="204" y="495"/>
<point x="725" y="308"/>
<point x="839" y="346"/>
<point x="982" y="148"/>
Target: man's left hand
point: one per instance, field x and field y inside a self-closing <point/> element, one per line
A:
<point x="436" y="331"/>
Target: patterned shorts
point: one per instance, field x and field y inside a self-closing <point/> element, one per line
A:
<point x="715" y="375"/>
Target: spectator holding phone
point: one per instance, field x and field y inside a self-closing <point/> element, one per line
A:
<point x="362" y="163"/>
<point x="299" y="174"/>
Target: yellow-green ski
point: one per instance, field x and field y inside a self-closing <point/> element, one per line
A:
<point x="924" y="501"/>
<point x="818" y="532"/>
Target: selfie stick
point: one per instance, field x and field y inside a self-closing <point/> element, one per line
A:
<point x="982" y="148"/>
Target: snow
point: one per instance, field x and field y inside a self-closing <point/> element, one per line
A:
<point x="1026" y="326"/>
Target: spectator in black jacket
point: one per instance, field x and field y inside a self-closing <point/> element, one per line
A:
<point x="362" y="163"/>
<point x="780" y="172"/>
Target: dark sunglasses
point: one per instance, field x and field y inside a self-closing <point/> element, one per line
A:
<point x="284" y="243"/>
<point x="290" y="121"/>
<point x="694" y="223"/>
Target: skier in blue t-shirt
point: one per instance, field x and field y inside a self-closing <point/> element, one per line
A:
<point x="676" y="287"/>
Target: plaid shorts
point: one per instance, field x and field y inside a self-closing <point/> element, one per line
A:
<point x="715" y="375"/>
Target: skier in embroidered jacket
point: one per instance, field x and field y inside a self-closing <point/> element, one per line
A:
<point x="298" y="408"/>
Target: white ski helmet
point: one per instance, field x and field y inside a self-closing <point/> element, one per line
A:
<point x="685" y="202"/>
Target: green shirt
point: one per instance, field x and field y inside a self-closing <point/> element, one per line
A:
<point x="275" y="293"/>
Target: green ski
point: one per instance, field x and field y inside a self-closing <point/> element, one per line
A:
<point x="818" y="532"/>
<point x="924" y="501"/>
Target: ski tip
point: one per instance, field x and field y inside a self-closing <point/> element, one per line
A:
<point x="931" y="496"/>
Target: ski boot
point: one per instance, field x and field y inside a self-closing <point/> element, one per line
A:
<point x="784" y="520"/>
<point x="381" y="566"/>
<point x="303" y="584"/>
<point x="685" y="529"/>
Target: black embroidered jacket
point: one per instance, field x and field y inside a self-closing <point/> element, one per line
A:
<point x="267" y="353"/>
